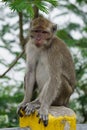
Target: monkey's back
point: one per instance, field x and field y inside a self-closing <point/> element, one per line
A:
<point x="61" y="53"/>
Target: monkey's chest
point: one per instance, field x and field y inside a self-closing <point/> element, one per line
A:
<point x="42" y="73"/>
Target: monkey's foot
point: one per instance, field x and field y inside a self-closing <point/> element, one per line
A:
<point x="43" y="115"/>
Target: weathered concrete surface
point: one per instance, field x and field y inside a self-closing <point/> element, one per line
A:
<point x="15" y="128"/>
<point x="57" y="112"/>
<point x="81" y="127"/>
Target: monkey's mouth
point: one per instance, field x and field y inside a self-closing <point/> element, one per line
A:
<point x="38" y="43"/>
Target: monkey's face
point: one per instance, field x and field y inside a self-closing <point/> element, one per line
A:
<point x="42" y="31"/>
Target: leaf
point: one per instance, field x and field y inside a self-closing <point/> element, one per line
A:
<point x="81" y="1"/>
<point x="73" y="26"/>
<point x="20" y="5"/>
<point x="53" y="2"/>
<point x="42" y="7"/>
<point x="30" y="10"/>
<point x="66" y="37"/>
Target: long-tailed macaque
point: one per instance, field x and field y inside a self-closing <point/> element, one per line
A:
<point x="49" y="63"/>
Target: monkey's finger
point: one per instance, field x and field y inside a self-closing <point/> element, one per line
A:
<point x="20" y="113"/>
<point x="45" y="120"/>
<point x="23" y="108"/>
<point x="38" y="106"/>
<point x="37" y="114"/>
<point x="45" y="123"/>
<point x="27" y="108"/>
<point x="33" y="110"/>
<point x="30" y="110"/>
<point x="40" y="118"/>
<point x="28" y="113"/>
<point x="39" y="121"/>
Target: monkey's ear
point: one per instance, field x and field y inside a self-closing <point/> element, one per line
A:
<point x="54" y="28"/>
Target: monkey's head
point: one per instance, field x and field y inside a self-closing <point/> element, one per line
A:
<point x="42" y="31"/>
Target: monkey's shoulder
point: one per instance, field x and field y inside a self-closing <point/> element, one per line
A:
<point x="59" y="50"/>
<point x="58" y="42"/>
<point x="58" y="45"/>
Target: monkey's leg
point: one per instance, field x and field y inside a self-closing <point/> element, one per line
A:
<point x="49" y="93"/>
<point x="65" y="93"/>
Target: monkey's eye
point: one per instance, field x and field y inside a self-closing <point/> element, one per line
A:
<point x="31" y="36"/>
<point x="37" y="31"/>
<point x="45" y="32"/>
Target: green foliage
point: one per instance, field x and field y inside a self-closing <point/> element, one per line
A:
<point x="64" y="35"/>
<point x="20" y="5"/>
<point x="81" y="1"/>
<point x="9" y="101"/>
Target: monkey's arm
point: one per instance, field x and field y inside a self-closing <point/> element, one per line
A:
<point x="29" y="82"/>
<point x="52" y="87"/>
<point x="31" y="59"/>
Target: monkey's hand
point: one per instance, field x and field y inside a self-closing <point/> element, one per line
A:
<point x="43" y="115"/>
<point x="31" y="107"/>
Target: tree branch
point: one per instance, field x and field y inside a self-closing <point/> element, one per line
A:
<point x="36" y="12"/>
<point x="12" y="64"/>
<point x="22" y="40"/>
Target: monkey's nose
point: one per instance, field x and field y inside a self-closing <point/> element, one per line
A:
<point x="38" y="38"/>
